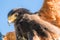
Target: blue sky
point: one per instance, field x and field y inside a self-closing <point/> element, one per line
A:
<point x="7" y="5"/>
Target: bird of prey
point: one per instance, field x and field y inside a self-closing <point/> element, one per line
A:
<point x="26" y="23"/>
<point x="23" y="26"/>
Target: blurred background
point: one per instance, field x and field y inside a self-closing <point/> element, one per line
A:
<point x="7" y="5"/>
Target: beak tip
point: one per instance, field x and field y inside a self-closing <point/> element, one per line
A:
<point x="9" y="23"/>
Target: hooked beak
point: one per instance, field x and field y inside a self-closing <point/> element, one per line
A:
<point x="9" y="22"/>
<point x="11" y="19"/>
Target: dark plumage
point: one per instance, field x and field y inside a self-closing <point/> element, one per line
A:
<point x="23" y="26"/>
<point x="18" y="10"/>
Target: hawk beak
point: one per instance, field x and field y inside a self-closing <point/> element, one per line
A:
<point x="11" y="19"/>
<point x="9" y="22"/>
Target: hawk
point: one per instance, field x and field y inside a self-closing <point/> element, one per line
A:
<point x="27" y="24"/>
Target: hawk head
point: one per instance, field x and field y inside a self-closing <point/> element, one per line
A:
<point x="16" y="14"/>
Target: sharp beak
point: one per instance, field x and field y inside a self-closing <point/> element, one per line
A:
<point x="11" y="19"/>
<point x="9" y="22"/>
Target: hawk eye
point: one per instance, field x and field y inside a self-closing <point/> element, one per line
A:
<point x="16" y="14"/>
